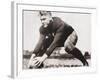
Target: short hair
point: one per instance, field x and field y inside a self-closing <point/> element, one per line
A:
<point x="41" y="13"/>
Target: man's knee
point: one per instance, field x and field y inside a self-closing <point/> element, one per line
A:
<point x="69" y="47"/>
<point x="70" y="42"/>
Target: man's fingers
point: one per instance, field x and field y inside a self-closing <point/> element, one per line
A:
<point x="37" y="63"/>
<point x="30" y="61"/>
<point x="34" y="59"/>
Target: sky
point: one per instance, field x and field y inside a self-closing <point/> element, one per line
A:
<point x="81" y="22"/>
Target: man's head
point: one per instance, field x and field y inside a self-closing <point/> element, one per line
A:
<point x="45" y="17"/>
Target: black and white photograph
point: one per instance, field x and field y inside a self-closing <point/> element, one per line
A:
<point x="54" y="39"/>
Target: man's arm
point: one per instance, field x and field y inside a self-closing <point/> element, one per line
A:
<point x="54" y="44"/>
<point x="39" y="44"/>
<point x="37" y="48"/>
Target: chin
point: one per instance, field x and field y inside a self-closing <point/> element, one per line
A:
<point x="45" y="25"/>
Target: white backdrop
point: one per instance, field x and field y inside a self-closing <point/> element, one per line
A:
<point x="5" y="40"/>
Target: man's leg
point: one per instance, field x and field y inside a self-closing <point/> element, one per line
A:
<point x="78" y="54"/>
<point x="70" y="48"/>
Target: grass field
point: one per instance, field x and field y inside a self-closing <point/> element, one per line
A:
<point x="55" y="61"/>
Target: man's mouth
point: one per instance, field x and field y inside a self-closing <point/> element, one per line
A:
<point x="45" y="25"/>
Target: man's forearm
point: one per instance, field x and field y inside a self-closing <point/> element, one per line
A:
<point x="51" y="48"/>
<point x="37" y="48"/>
<point x="39" y="44"/>
<point x="44" y="56"/>
<point x="54" y="44"/>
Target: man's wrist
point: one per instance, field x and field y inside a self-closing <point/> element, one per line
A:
<point x="33" y="55"/>
<point x="44" y="56"/>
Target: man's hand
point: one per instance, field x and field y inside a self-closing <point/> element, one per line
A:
<point x="39" y="60"/>
<point x="31" y="59"/>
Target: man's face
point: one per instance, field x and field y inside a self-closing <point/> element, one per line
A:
<point x="45" y="20"/>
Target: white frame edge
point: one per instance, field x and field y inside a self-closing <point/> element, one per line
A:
<point x="13" y="40"/>
<point x="15" y="68"/>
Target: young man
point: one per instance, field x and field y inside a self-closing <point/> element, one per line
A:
<point x="54" y="33"/>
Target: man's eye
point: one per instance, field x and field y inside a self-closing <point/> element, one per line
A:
<point x="43" y="19"/>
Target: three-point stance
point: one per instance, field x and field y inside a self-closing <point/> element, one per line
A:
<point x="54" y="33"/>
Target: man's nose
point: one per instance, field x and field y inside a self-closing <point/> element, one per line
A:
<point x="42" y="21"/>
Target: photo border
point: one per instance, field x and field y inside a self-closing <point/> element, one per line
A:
<point x="17" y="40"/>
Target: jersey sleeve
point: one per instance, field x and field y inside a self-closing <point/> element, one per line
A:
<point x="54" y="44"/>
